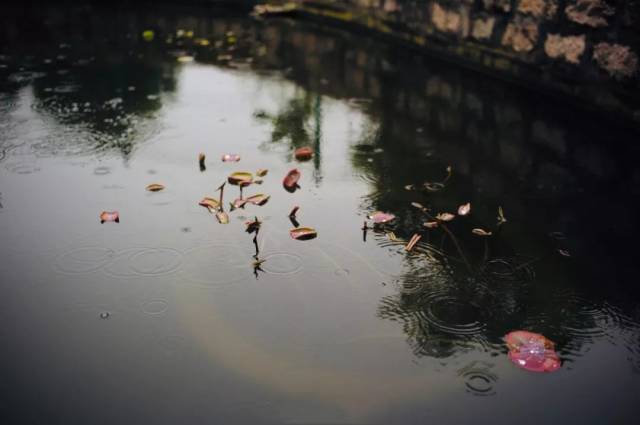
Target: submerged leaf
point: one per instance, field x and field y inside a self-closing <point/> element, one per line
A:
<point x="155" y="187"/>
<point x="445" y="216"/>
<point x="379" y="217"/>
<point x="223" y="217"/>
<point x="240" y="177"/>
<point x="259" y="199"/>
<point x="261" y="172"/>
<point x="211" y="203"/>
<point x="464" y="209"/>
<point x="532" y="351"/>
<point x="480" y="232"/>
<point x="109" y="216"/>
<point x="304" y="153"/>
<point x="290" y="181"/>
<point x="303" y="233"/>
<point x="230" y="157"/>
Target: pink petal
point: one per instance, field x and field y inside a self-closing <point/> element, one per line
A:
<point x="230" y="157"/>
<point x="379" y="217"/>
<point x="110" y="216"/>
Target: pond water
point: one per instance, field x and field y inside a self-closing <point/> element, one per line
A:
<point x="163" y="317"/>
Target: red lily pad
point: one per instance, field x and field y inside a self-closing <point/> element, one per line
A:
<point x="230" y="157"/>
<point x="379" y="217"/>
<point x="304" y="153"/>
<point x="303" y="233"/>
<point x="532" y="351"/>
<point x="290" y="181"/>
<point x="259" y="199"/>
<point x="240" y="178"/>
<point x="110" y="216"/>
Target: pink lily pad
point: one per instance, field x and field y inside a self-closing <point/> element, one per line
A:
<point x="532" y="351"/>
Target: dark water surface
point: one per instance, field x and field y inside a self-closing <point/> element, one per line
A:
<point x="162" y="319"/>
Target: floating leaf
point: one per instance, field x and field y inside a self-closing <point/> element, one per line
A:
<point x="445" y="216"/>
<point x="409" y="187"/>
<point x="464" y="209"/>
<point x="303" y="233"/>
<point x="109" y="216"/>
<point x="501" y="218"/>
<point x="379" y="217"/>
<point x="230" y="157"/>
<point x="304" y="153"/>
<point x="148" y="35"/>
<point x="412" y="242"/>
<point x="419" y="206"/>
<point x="259" y="199"/>
<point x="433" y="187"/>
<point x="431" y="224"/>
<point x="532" y="351"/>
<point x="240" y="177"/>
<point x="261" y="172"/>
<point x="238" y="203"/>
<point x="211" y="203"/>
<point x="293" y="211"/>
<point x="564" y="252"/>
<point x="480" y="232"/>
<point x="290" y="181"/>
<point x="155" y="187"/>
<point x="223" y="217"/>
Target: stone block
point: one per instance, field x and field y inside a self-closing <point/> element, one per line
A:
<point x="592" y="13"/>
<point x="521" y="35"/>
<point x="619" y="61"/>
<point x="569" y="48"/>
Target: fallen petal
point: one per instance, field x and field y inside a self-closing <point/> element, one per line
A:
<point x="155" y="187"/>
<point x="230" y="157"/>
<point x="303" y="233"/>
<point x="445" y="216"/>
<point x="532" y="351"/>
<point x="223" y="217"/>
<point x="304" y="153"/>
<point x="109" y="216"/>
<point x="464" y="209"/>
<point x="291" y="180"/>
<point x="379" y="217"/>
<point x="240" y="177"/>
<point x="259" y="199"/>
<point x="480" y="232"/>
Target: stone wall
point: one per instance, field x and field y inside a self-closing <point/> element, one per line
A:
<point x="587" y="49"/>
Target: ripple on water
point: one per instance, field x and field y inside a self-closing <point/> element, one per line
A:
<point x="22" y="167"/>
<point x="478" y="378"/>
<point x="138" y="262"/>
<point x="155" y="306"/>
<point x="282" y="263"/>
<point x="102" y="171"/>
<point x="447" y="313"/>
<point x="84" y="260"/>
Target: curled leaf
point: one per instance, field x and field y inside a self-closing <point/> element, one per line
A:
<point x="238" y="203"/>
<point x="201" y="159"/>
<point x="240" y="177"/>
<point x="464" y="209"/>
<point x="501" y="217"/>
<point x="303" y="233"/>
<point x="293" y="211"/>
<point x="290" y="181"/>
<point x="419" y="206"/>
<point x="379" y="217"/>
<point x="433" y="187"/>
<point x="431" y="224"/>
<point x="223" y="217"/>
<point x="564" y="252"/>
<point x="253" y="225"/>
<point x="304" y="153"/>
<point x="259" y="199"/>
<point x="211" y="203"/>
<point x="532" y="351"/>
<point x="445" y="216"/>
<point x="155" y="187"/>
<point x="412" y="242"/>
<point x="261" y="172"/>
<point x="480" y="232"/>
<point x="109" y="216"/>
<point x="230" y="157"/>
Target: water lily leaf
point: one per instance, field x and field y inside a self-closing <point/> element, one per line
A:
<point x="412" y="242"/>
<point x="230" y="157"/>
<point x="464" y="209"/>
<point x="303" y="233"/>
<point x="240" y="177"/>
<point x="290" y="181"/>
<point x="238" y="203"/>
<point x="304" y="153"/>
<point x="211" y="203"/>
<point x="445" y="216"/>
<point x="293" y="211"/>
<point x="431" y="224"/>
<point x="109" y="216"/>
<point x="481" y="232"/>
<point x="532" y="351"/>
<point x="379" y="217"/>
<point x="223" y="217"/>
<point x="259" y="199"/>
<point x="433" y="187"/>
<point x="155" y="187"/>
<point x="261" y="172"/>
